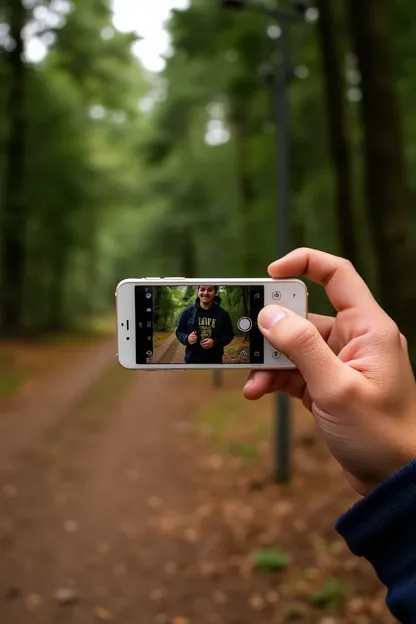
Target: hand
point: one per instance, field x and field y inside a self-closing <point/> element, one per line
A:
<point x="354" y="373"/>
<point x="192" y="338"/>
<point x="208" y="343"/>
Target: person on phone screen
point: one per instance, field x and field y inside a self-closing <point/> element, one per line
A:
<point x="205" y="328"/>
<point x="354" y="375"/>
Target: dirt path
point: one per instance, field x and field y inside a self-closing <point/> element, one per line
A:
<point x="120" y="501"/>
<point x="179" y="354"/>
<point x="171" y="351"/>
<point x="27" y="415"/>
<point x="80" y="517"/>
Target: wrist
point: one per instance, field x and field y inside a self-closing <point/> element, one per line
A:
<point x="390" y="460"/>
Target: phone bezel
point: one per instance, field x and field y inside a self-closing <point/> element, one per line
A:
<point x="125" y="309"/>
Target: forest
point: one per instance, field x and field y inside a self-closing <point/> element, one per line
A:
<point x="109" y="171"/>
<point x="135" y="497"/>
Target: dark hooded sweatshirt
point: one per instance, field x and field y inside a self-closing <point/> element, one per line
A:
<point x="214" y="323"/>
<point x="382" y="528"/>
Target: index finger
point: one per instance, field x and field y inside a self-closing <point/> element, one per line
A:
<point x="344" y="286"/>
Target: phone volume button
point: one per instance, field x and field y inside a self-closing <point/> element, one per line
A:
<point x="152" y="278"/>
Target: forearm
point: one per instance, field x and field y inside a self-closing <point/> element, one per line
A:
<point x="182" y="337"/>
<point x="382" y="528"/>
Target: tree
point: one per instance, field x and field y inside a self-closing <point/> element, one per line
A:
<point x="69" y="161"/>
<point x="385" y="176"/>
<point x="14" y="209"/>
<point x="336" y="109"/>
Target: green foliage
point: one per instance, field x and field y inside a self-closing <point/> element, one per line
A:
<point x="244" y="450"/>
<point x="8" y="383"/>
<point x="185" y="185"/>
<point x="170" y="301"/>
<point x="294" y="612"/>
<point x="331" y="596"/>
<point x="270" y="560"/>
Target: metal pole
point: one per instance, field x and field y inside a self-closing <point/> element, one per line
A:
<point x="217" y="378"/>
<point x="282" y="432"/>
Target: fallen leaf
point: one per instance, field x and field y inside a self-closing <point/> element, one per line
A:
<point x="154" y="502"/>
<point x="33" y="602"/>
<point x="71" y="526"/>
<point x="294" y="611"/>
<point x="182" y="426"/>
<point x="157" y="594"/>
<point x="215" y="462"/>
<point x="356" y="605"/>
<point x="272" y="596"/>
<point x="257" y="602"/>
<point x="312" y="574"/>
<point x="103" y="548"/>
<point x="192" y="536"/>
<point x="378" y="604"/>
<point x="210" y="570"/>
<point x="337" y="548"/>
<point x="299" y="526"/>
<point x="219" y="597"/>
<point x="104" y="615"/>
<point x="282" y="508"/>
<point x="66" y="596"/>
<point x="352" y="563"/>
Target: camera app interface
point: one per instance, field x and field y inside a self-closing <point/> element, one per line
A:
<point x="198" y="324"/>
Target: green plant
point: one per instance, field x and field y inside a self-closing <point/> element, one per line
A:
<point x="270" y="560"/>
<point x="244" y="450"/>
<point x="331" y="595"/>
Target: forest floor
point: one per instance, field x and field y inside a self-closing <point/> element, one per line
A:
<point x="146" y="498"/>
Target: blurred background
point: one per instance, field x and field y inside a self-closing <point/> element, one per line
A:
<point x="141" y="139"/>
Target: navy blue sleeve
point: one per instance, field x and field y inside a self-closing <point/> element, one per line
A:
<point x="227" y="332"/>
<point x="382" y="528"/>
<point x="182" y="329"/>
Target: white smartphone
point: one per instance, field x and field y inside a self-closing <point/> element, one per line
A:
<point x="176" y="323"/>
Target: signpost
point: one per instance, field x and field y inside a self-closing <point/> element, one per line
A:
<point x="282" y="466"/>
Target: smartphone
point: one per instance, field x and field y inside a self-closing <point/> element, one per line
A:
<point x="175" y="323"/>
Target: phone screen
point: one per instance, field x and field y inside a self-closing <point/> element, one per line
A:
<point x="198" y="324"/>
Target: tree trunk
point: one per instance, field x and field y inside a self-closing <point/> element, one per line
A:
<point x="14" y="209"/>
<point x="332" y="69"/>
<point x="246" y="198"/>
<point x="384" y="161"/>
<point x="57" y="318"/>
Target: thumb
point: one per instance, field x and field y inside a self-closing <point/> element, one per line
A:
<point x="302" y="343"/>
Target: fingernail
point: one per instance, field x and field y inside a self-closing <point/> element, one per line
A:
<point x="249" y="382"/>
<point x="270" y="316"/>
